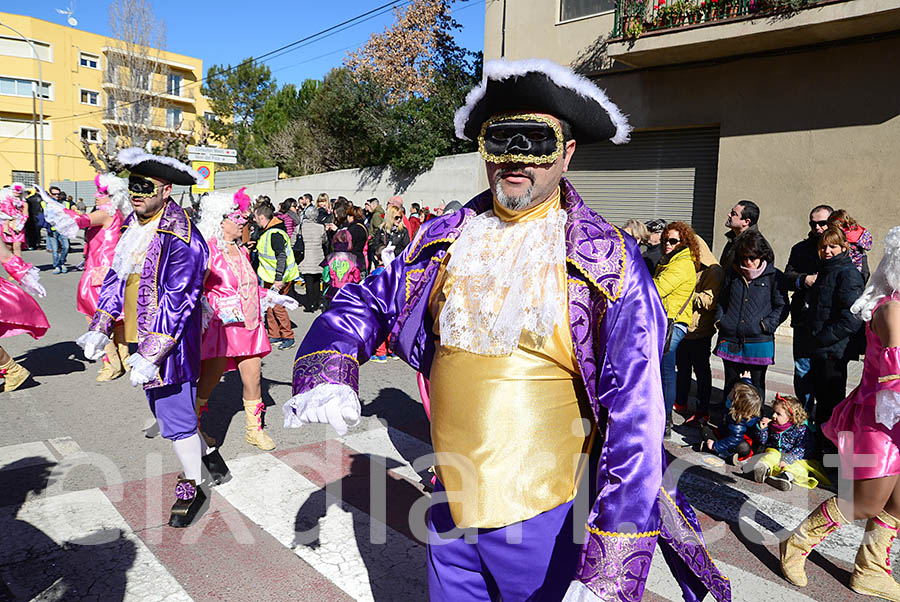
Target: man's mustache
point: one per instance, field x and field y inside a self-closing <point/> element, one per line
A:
<point x="513" y="170"/>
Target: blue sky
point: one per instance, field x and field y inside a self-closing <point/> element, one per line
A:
<point x="228" y="31"/>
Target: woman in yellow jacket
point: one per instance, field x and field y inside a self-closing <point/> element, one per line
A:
<point x="675" y="278"/>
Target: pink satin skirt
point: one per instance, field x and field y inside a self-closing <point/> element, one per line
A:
<point x="12" y="236"/>
<point x="20" y="313"/>
<point x="868" y="450"/>
<point x="234" y="341"/>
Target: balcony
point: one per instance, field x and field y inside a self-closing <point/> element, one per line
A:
<point x="663" y="32"/>
<point x="184" y="96"/>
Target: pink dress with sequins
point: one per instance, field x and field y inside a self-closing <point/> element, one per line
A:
<point x="99" y="250"/>
<point x="852" y="426"/>
<point x="231" y="284"/>
<point x="19" y="312"/>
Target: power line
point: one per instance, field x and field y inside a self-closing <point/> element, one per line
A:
<point x="327" y="32"/>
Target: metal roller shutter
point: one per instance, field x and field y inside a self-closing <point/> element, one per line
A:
<point x="669" y="174"/>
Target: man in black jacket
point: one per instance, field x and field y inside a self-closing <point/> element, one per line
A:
<point x="743" y="217"/>
<point x="800" y="274"/>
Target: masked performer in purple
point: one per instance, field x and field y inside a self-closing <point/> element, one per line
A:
<point x="541" y="332"/>
<point x="155" y="283"/>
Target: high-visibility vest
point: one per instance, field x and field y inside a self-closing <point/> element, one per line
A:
<point x="268" y="262"/>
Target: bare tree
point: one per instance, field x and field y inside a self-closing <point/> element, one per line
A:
<point x="135" y="82"/>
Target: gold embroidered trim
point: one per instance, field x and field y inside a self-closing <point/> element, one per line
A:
<point x="103" y="311"/>
<point x="888" y="378"/>
<point x="408" y="274"/>
<point x="415" y="252"/>
<point x="162" y="334"/>
<point x="597" y="531"/>
<point x="518" y="158"/>
<point x="326" y="351"/>
<point x="691" y="527"/>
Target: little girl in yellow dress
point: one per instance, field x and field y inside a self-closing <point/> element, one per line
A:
<point x="788" y="441"/>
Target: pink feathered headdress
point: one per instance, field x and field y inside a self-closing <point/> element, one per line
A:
<point x="101" y="189"/>
<point x="243" y="204"/>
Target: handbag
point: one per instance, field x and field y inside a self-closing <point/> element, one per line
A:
<point x="670" y="323"/>
<point x="299" y="248"/>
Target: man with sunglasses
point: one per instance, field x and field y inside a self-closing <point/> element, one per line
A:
<point x="154" y="284"/>
<point x="800" y="274"/>
<point x="540" y="331"/>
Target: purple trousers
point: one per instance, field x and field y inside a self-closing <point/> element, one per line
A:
<point x="173" y="407"/>
<point x="537" y="566"/>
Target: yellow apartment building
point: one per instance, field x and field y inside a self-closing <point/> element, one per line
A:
<point x="85" y="96"/>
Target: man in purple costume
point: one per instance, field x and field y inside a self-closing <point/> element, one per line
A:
<point x="154" y="285"/>
<point x="541" y="333"/>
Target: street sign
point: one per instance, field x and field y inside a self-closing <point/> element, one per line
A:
<point x="211" y="157"/>
<point x="212" y="150"/>
<point x="207" y="171"/>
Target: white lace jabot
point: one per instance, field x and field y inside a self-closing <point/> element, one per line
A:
<point x="507" y="280"/>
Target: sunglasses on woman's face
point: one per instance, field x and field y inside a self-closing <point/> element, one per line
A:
<point x="749" y="258"/>
<point x="673" y="241"/>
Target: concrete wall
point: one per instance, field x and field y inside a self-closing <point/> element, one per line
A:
<point x="458" y="177"/>
<point x="798" y="128"/>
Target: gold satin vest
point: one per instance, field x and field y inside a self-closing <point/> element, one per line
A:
<point x="511" y="433"/>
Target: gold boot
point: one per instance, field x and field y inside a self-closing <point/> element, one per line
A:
<point x="824" y="520"/>
<point x="872" y="573"/>
<point x="112" y="367"/>
<point x="253" y="411"/>
<point x="14" y="375"/>
<point x="201" y="406"/>
<point x="123" y="355"/>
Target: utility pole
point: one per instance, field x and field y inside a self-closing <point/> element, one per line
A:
<point x="37" y="174"/>
<point x="503" y="33"/>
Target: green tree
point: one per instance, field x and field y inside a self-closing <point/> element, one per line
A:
<point x="236" y="95"/>
<point x="281" y="108"/>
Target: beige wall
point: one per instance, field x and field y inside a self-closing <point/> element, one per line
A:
<point x="799" y="128"/>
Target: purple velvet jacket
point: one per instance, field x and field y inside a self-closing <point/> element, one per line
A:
<point x="618" y="327"/>
<point x="168" y="308"/>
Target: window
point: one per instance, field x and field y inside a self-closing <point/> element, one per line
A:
<point x="91" y="61"/>
<point x="25" y="177"/>
<point x="23" y="128"/>
<point x="11" y="86"/>
<point x="173" y="118"/>
<point x="140" y="111"/>
<point x="573" y="9"/>
<point x="173" y="85"/>
<point x="90" y="97"/>
<point x="111" y="112"/>
<point x="141" y="81"/>
<point x="20" y="48"/>
<point x="209" y="116"/>
<point x="90" y="135"/>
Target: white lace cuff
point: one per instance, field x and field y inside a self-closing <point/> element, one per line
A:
<point x="337" y="405"/>
<point x="30" y="282"/>
<point x="887" y="407"/>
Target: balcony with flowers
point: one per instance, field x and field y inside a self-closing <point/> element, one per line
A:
<point x="657" y="32"/>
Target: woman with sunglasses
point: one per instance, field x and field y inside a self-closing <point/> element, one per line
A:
<point x="828" y="322"/>
<point x="752" y="303"/>
<point x="235" y="334"/>
<point x="675" y="277"/>
<point x="392" y="231"/>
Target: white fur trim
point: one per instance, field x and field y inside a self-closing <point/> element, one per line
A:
<point x="213" y="209"/>
<point x="133" y="156"/>
<point x="561" y="76"/>
<point x="885" y="280"/>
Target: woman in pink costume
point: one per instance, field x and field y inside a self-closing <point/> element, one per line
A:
<point x="103" y="228"/>
<point x="13" y="215"/>
<point x="864" y="428"/>
<point x="19" y="313"/>
<point x="235" y="337"/>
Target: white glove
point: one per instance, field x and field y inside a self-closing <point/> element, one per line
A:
<point x="887" y="407"/>
<point x="387" y="255"/>
<point x="272" y="298"/>
<point x="337" y="405"/>
<point x="94" y="344"/>
<point x="142" y="369"/>
<point x="31" y="284"/>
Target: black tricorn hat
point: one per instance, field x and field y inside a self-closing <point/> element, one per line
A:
<point x="542" y="86"/>
<point x="142" y="163"/>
